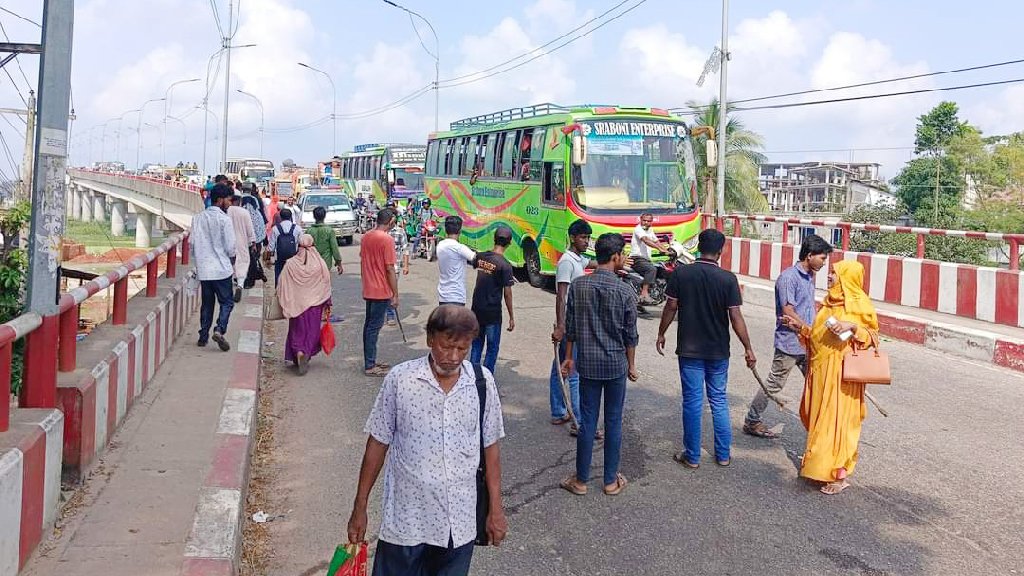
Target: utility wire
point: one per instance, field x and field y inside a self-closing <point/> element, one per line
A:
<point x="216" y="17"/>
<point x="16" y="61"/>
<point x="10" y="157"/>
<point x="2" y="9"/>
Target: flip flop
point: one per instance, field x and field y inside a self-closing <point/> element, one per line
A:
<point x="680" y="458"/>
<point x="619" y="486"/>
<point x="571" y="484"/>
<point x="559" y="421"/>
<point x="833" y="488"/>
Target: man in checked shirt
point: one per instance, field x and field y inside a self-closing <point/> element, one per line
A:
<point x="600" y="325"/>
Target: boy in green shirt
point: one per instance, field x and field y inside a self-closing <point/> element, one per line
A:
<point x="324" y="240"/>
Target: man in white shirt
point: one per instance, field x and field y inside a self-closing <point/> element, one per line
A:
<point x="212" y="242"/>
<point x="640" y="246"/>
<point x="452" y="258"/>
<point x="283" y="250"/>
<point x="426" y="424"/>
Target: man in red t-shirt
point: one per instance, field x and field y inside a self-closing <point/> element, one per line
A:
<point x="380" y="286"/>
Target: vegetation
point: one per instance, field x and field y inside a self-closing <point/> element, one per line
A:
<point x="742" y="158"/>
<point x="13" y="265"/>
<point x="97" y="238"/>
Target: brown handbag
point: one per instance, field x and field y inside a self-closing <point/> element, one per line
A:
<point x="867" y="366"/>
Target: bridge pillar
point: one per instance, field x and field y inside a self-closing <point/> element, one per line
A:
<point x="86" y="203"/>
<point x="99" y="207"/>
<point x="118" y="215"/>
<point x="143" y="228"/>
<point x="76" y="202"/>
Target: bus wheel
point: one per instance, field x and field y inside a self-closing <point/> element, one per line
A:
<point x="532" y="265"/>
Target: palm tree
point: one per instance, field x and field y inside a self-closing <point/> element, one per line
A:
<point x="742" y="159"/>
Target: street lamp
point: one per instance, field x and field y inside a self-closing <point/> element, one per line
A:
<point x="260" y="104"/>
<point x="138" y="129"/>
<point x="206" y="99"/>
<point x="117" y="141"/>
<point x="167" y="105"/>
<point x="435" y="55"/>
<point x="334" y="107"/>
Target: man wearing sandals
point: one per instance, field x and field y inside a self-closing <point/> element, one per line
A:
<point x="600" y="326"/>
<point x="794" y="296"/>
<point x="380" y="286"/>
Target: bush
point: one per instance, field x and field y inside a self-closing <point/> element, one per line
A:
<point x="13" y="265"/>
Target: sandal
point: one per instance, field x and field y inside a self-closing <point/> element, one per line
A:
<point x="618" y="487"/>
<point x="559" y="421"/>
<point x="759" y="430"/>
<point x="681" y="458"/>
<point x="574" y="486"/>
<point x="377" y="370"/>
<point x="574" y="431"/>
<point x="724" y="463"/>
<point x="833" y="488"/>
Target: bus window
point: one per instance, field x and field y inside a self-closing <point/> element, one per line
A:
<point x="449" y="146"/>
<point x="523" y="167"/>
<point x="537" y="155"/>
<point x="432" y="155"/>
<point x="554" y="183"/>
<point x="499" y="152"/>
<point x="461" y="168"/>
<point x="508" y="157"/>
<point x="479" y="166"/>
<point x="375" y="172"/>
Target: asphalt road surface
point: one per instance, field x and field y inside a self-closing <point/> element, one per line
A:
<point x="937" y="489"/>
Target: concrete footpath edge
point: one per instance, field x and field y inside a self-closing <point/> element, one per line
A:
<point x="214" y="544"/>
<point x="980" y="345"/>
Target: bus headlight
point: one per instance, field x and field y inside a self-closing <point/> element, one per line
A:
<point x="691" y="244"/>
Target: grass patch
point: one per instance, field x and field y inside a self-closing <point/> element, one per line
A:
<point x="97" y="237"/>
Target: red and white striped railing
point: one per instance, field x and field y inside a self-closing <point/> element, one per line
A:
<point x="172" y="183"/>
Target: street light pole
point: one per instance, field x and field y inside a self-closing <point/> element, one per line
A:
<point x="227" y="83"/>
<point x="260" y="104"/>
<point x="436" y="55"/>
<point x="334" y="107"/>
<point x="138" y="131"/>
<point x="167" y="105"/>
<point x="723" y="112"/>
<point x="120" y="125"/>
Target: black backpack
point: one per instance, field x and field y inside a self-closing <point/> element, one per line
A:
<point x="286" y="246"/>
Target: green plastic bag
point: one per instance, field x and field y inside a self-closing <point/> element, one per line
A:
<point x="348" y="560"/>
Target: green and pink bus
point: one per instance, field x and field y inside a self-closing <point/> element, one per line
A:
<point x="537" y="169"/>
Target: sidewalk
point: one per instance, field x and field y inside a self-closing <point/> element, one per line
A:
<point x="168" y="492"/>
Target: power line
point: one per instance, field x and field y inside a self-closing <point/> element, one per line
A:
<point x="216" y="17"/>
<point x="16" y="61"/>
<point x="2" y="9"/>
<point x="10" y="157"/>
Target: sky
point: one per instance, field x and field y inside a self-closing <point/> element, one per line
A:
<point x="645" y="53"/>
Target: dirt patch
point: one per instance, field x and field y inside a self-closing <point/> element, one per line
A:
<point x="116" y="256"/>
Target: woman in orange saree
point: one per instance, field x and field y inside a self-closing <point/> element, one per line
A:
<point x="832" y="410"/>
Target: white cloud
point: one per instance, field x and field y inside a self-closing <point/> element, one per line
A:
<point x="1002" y="114"/>
<point x="662" y="66"/>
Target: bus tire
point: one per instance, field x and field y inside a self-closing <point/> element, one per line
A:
<point x="531" y="263"/>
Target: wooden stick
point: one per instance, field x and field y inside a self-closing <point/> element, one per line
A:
<point x="875" y="402"/>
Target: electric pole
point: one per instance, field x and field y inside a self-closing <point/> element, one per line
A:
<point x="228" y="37"/>
<point x="25" y="186"/>
<point x="723" y="111"/>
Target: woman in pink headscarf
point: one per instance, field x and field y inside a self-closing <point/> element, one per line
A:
<point x="304" y="290"/>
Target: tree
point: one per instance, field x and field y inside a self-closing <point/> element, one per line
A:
<point x="937" y="128"/>
<point x="742" y="158"/>
<point x="915" y="184"/>
<point x="13" y="264"/>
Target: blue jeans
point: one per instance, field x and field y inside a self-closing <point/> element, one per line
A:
<point x="696" y="374"/>
<point x="490" y="335"/>
<point x="421" y="560"/>
<point x="558" y="408"/>
<point x="392" y="314"/>
<point x="614" y="392"/>
<point x="376" y="310"/>
<point x="215" y="292"/>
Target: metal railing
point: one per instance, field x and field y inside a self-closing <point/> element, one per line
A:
<point x="509" y="115"/>
<point x="197" y="188"/>
<point x="51" y="342"/>
<point x="1014" y="241"/>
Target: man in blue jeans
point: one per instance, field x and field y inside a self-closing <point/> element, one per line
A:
<point x="212" y="243"/>
<point x="570" y="267"/>
<point x="600" y="322"/>
<point x="494" y="281"/>
<point x="707" y="299"/>
<point x="380" y="286"/>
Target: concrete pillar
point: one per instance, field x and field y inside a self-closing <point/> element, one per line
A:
<point x="87" y="205"/>
<point x="99" y="207"/>
<point x="76" y="202"/>
<point x="143" y="228"/>
<point x="118" y="214"/>
<point x="69" y="204"/>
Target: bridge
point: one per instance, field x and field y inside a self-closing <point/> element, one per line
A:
<point x="164" y="431"/>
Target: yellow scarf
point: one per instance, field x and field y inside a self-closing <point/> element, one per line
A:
<point x="848" y="293"/>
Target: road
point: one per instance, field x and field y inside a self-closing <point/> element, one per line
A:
<point x="937" y="489"/>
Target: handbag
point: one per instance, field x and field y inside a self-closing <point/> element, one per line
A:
<point x="327" y="340"/>
<point x="483" y="501"/>
<point x="272" y="308"/>
<point x="867" y="366"/>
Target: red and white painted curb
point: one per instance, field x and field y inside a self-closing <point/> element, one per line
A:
<point x="981" y="345"/>
<point x="214" y="543"/>
<point x="988" y="294"/>
<point x="29" y="484"/>
<point x="96" y="404"/>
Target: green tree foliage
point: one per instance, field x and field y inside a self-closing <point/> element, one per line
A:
<point x="742" y="158"/>
<point x="881" y="242"/>
<point x="13" y="264"/>
<point x="915" y="184"/>
<point x="937" y="128"/>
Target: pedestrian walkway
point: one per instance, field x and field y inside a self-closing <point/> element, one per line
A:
<point x="138" y="509"/>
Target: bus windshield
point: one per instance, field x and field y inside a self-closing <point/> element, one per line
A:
<point x="257" y="174"/>
<point x="412" y="180"/>
<point x="332" y="202"/>
<point x="636" y="167"/>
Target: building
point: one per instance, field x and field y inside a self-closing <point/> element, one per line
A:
<point x="829" y="187"/>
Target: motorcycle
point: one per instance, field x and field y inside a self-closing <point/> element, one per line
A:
<point x="428" y="239"/>
<point x="677" y="255"/>
<point x="366" y="219"/>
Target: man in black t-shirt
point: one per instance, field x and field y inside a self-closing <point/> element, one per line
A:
<point x="708" y="300"/>
<point x="494" y="282"/>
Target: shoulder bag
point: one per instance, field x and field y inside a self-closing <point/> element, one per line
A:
<point x="867" y="366"/>
<point x="483" y="502"/>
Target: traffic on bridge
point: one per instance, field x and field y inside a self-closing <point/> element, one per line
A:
<point x="402" y="289"/>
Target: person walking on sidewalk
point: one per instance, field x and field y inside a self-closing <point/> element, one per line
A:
<point x="707" y="299"/>
<point x="212" y="242"/>
<point x="325" y="240"/>
<point x="284" y="241"/>
<point x="494" y="282"/>
<point x="428" y="413"/>
<point x="601" y="322"/>
<point x="452" y="258"/>
<point x="570" y="267"/>
<point x="304" y="291"/>
<point x="401" y="239"/>
<point x="380" y="286"/>
<point x="245" y="237"/>
<point x="794" y="296"/>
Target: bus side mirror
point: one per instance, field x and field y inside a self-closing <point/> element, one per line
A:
<point x="579" y="150"/>
<point x="711" y="152"/>
<point x="391" y="175"/>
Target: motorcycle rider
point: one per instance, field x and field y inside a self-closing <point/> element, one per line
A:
<point x="426" y="212"/>
<point x="643" y="240"/>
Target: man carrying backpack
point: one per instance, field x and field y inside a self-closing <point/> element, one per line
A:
<point x="284" y="241"/>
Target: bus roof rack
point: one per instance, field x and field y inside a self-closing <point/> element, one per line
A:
<point x="510" y="115"/>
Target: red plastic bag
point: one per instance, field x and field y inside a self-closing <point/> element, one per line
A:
<point x="327" y="341"/>
<point x="348" y="560"/>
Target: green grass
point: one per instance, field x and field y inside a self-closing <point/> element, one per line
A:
<point x="97" y="238"/>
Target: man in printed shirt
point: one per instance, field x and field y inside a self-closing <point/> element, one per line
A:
<point x="425" y="424"/>
<point x="212" y="242"/>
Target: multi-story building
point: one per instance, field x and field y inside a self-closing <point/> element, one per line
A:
<point x="830" y="187"/>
